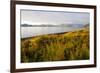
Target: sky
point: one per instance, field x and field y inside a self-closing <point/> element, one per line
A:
<point x="35" y="17"/>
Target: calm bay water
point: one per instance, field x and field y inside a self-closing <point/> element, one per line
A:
<point x="35" y="31"/>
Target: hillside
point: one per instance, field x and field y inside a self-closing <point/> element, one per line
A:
<point x="56" y="47"/>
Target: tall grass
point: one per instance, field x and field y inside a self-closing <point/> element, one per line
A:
<point x="56" y="47"/>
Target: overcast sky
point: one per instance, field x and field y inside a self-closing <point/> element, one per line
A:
<point x="50" y="17"/>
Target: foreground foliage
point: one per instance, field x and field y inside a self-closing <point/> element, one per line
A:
<point x="56" y="47"/>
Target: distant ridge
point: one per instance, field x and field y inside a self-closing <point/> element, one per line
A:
<point x="87" y="25"/>
<point x="26" y="25"/>
<point x="59" y="25"/>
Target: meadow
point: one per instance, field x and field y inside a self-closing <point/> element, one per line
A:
<point x="73" y="45"/>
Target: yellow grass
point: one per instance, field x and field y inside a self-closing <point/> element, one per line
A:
<point x="56" y="47"/>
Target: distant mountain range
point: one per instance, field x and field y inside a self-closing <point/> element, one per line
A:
<point x="26" y="25"/>
<point x="60" y="25"/>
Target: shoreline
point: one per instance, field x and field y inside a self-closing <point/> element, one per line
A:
<point x="53" y="34"/>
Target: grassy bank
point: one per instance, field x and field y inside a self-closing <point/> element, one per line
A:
<point x="56" y="47"/>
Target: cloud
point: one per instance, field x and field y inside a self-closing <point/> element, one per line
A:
<point x="51" y="17"/>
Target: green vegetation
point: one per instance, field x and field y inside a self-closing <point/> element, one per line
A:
<point x="56" y="47"/>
